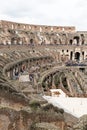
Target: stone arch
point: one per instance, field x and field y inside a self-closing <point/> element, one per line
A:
<point x="77" y="39"/>
<point x="77" y="56"/>
<point x="13" y="40"/>
<point x="31" y="41"/>
<point x="64" y="38"/>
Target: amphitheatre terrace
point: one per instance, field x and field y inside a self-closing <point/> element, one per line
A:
<point x="52" y="57"/>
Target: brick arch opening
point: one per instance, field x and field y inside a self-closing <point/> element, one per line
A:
<point x="77" y="56"/>
<point x="77" y="39"/>
<point x="32" y="41"/>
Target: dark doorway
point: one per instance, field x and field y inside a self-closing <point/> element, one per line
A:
<point x="13" y="40"/>
<point x="77" y="56"/>
<point x="31" y="41"/>
<point x="71" y="41"/>
<point x="71" y="54"/>
<point x="83" y="55"/>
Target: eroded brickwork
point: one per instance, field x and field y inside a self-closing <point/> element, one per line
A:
<point x="19" y="33"/>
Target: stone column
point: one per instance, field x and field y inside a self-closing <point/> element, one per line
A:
<point x="11" y="74"/>
<point x="26" y="64"/>
<point x="81" y="58"/>
<point x="73" y="56"/>
<point x="18" y="68"/>
<point x="53" y="84"/>
<point x="8" y="74"/>
<point x="14" y="71"/>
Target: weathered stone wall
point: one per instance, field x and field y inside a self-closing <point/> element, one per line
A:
<point x="15" y="112"/>
<point x="19" y="33"/>
<point x="11" y="119"/>
<point x="40" y="28"/>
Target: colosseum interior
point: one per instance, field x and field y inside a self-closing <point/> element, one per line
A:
<point x="33" y="60"/>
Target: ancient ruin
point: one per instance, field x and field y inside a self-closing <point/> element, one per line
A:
<point x="33" y="60"/>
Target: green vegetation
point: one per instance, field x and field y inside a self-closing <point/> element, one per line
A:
<point x="49" y="107"/>
<point x="34" y="105"/>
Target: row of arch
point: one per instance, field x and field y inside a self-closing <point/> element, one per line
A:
<point x="77" y="56"/>
<point x="76" y="40"/>
<point x="41" y="28"/>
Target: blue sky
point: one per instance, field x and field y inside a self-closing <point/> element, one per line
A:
<point x="46" y="12"/>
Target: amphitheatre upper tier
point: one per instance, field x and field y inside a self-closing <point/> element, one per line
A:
<point x="38" y="28"/>
<point x="19" y="33"/>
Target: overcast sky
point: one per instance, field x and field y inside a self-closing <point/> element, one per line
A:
<point x="46" y="12"/>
